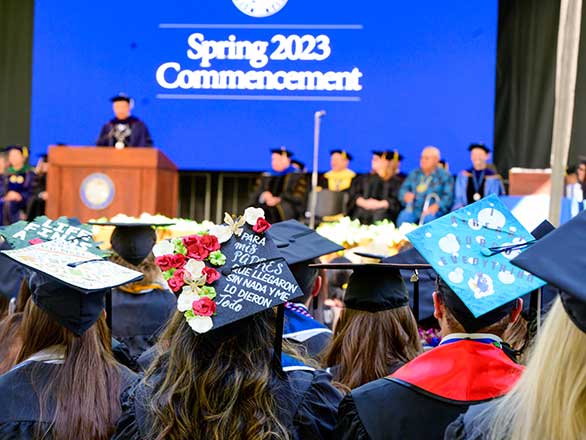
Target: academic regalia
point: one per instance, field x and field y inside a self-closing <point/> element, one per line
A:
<point x="131" y="131"/>
<point x="36" y="205"/>
<point x="312" y="401"/>
<point x="21" y="182"/>
<point x="138" y="316"/>
<point x="21" y="415"/>
<point x="291" y="186"/>
<point x="300" y="327"/>
<point x="434" y="388"/>
<point x="300" y="245"/>
<point x="338" y="180"/>
<point x="471" y="185"/>
<point x="373" y="186"/>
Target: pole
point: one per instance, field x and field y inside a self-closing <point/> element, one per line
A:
<point x="313" y="195"/>
<point x="568" y="47"/>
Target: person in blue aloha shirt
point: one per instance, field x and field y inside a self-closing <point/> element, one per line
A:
<point x="428" y="182"/>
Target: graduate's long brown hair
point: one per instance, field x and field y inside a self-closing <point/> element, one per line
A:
<point x="85" y="388"/>
<point x="9" y="330"/>
<point x="368" y="345"/>
<point x="218" y="385"/>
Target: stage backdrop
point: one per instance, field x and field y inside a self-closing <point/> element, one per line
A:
<point x="218" y="86"/>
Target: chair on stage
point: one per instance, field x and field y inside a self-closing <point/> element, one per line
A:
<point x="331" y="205"/>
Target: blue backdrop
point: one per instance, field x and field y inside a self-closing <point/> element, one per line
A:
<point x="415" y="73"/>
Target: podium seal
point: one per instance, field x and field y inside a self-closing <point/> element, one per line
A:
<point x="97" y="191"/>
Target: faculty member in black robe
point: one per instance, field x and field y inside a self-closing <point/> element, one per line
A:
<point x="281" y="192"/>
<point x="374" y="196"/>
<point x="124" y="130"/>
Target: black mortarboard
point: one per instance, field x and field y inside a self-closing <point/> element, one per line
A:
<point x="374" y="287"/>
<point x="11" y="274"/>
<point x="478" y="145"/>
<point x="228" y="274"/>
<point x="389" y="155"/>
<point x="299" y="164"/>
<point x="559" y="259"/>
<point x="296" y="242"/>
<point x="132" y="241"/>
<point x="344" y="153"/>
<point x="283" y="151"/>
<point x="120" y="97"/>
<point x="69" y="283"/>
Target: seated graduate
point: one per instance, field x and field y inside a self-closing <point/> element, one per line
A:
<point x="219" y="373"/>
<point x="39" y="195"/>
<point x="140" y="309"/>
<point x="281" y="192"/>
<point x="66" y="384"/>
<point x="301" y="246"/>
<point x="16" y="183"/>
<point x="476" y="300"/>
<point x="340" y="176"/>
<point x="428" y="182"/>
<point x="479" y="180"/>
<point x="548" y="400"/>
<point x="374" y="196"/>
<point x="124" y="130"/>
<point x="376" y="333"/>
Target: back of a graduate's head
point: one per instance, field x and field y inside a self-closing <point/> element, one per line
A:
<point x="227" y="375"/>
<point x="455" y="317"/>
<point x="88" y="369"/>
<point x="306" y="278"/>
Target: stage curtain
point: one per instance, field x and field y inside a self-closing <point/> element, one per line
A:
<point x="525" y="83"/>
<point x="16" y="43"/>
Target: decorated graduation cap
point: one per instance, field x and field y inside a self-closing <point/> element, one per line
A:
<point x="343" y="153"/>
<point x="11" y="274"/>
<point x="230" y="273"/>
<point x="121" y="97"/>
<point x="297" y="243"/>
<point x="559" y="259"/>
<point x="479" y="146"/>
<point x="374" y="287"/>
<point x="471" y="250"/>
<point x="133" y="241"/>
<point x="23" y="149"/>
<point x="68" y="282"/>
<point x="283" y="151"/>
<point x="42" y="229"/>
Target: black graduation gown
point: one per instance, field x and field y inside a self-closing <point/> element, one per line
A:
<point x="137" y="318"/>
<point x="36" y="206"/>
<point x="19" y="406"/>
<point x="314" y="403"/>
<point x="474" y="424"/>
<point x="139" y="133"/>
<point x="291" y="188"/>
<point x="371" y="186"/>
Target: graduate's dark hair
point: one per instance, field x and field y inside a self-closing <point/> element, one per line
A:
<point x="9" y="330"/>
<point x="305" y="277"/>
<point x="85" y="388"/>
<point x="219" y="385"/>
<point x="368" y="345"/>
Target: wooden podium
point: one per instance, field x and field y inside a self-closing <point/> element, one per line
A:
<point x="92" y="182"/>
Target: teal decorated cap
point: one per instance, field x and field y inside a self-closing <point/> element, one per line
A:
<point x="471" y="250"/>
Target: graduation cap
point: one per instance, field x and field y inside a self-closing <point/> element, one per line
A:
<point x="559" y="259"/>
<point x="232" y="272"/>
<point x="24" y="150"/>
<point x="374" y="287"/>
<point x="471" y="250"/>
<point x="22" y="234"/>
<point x="344" y="154"/>
<point x="297" y="243"/>
<point x="298" y="163"/>
<point x="11" y="274"/>
<point x="388" y="155"/>
<point x="133" y="241"/>
<point x="480" y="146"/>
<point x="283" y="151"/>
<point x="121" y="97"/>
<point x="68" y="282"/>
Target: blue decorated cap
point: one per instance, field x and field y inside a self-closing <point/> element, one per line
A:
<point x="471" y="250"/>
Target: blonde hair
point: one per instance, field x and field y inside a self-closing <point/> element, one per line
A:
<point x="549" y="401"/>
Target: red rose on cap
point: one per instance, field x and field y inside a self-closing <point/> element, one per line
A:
<point x="211" y="274"/>
<point x="197" y="252"/>
<point x="177" y="281"/>
<point x="261" y="226"/>
<point x="204" y="307"/>
<point x="165" y="262"/>
<point x="191" y="240"/>
<point x="178" y="261"/>
<point x="210" y="242"/>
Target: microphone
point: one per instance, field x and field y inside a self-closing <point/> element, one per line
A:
<point x="320" y="113"/>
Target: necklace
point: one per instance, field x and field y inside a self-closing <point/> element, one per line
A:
<point x="477" y="183"/>
<point x="423" y="184"/>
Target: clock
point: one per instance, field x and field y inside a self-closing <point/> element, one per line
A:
<point x="260" y="8"/>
